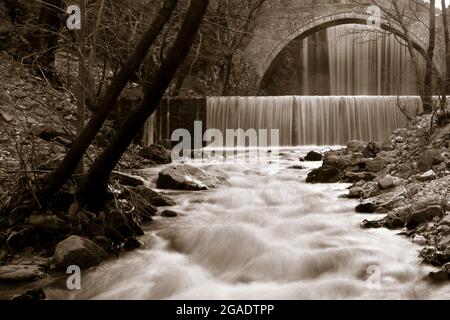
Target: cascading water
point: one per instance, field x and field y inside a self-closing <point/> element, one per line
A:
<point x="313" y="120"/>
<point x="265" y="235"/>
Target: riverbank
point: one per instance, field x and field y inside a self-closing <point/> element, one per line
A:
<point x="408" y="180"/>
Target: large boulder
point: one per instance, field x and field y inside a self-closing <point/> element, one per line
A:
<point x="356" y="146"/>
<point x="157" y="153"/>
<point x="324" y="174"/>
<point x="186" y="177"/>
<point x="20" y="273"/>
<point x="79" y="251"/>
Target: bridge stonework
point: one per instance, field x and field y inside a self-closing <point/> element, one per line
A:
<point x="291" y="19"/>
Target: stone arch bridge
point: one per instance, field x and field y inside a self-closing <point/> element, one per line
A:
<point x="293" y="19"/>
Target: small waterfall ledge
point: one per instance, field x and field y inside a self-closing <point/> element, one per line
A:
<point x="313" y="120"/>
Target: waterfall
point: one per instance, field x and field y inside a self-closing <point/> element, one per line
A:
<point x="313" y="120"/>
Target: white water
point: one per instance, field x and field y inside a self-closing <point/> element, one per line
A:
<point x="266" y="236"/>
<point x="319" y="120"/>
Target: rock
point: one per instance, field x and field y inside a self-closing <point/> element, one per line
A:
<point x="313" y="156"/>
<point x="48" y="131"/>
<point x="356" y="146"/>
<point x="5" y="116"/>
<point x="371" y="150"/>
<point x="375" y="165"/>
<point x="399" y="139"/>
<point x="21" y="273"/>
<point x="79" y="251"/>
<point x="423" y="215"/>
<point x="132" y="244"/>
<point x="157" y="153"/>
<point x="296" y="167"/>
<point x="31" y="295"/>
<point x="127" y="179"/>
<point x="428" y="159"/>
<point x="367" y="224"/>
<point x="366" y="207"/>
<point x="388" y="182"/>
<point x="355" y="193"/>
<point x="438" y="277"/>
<point x="393" y="222"/>
<point x="420" y="240"/>
<point x="435" y="257"/>
<point x="186" y="177"/>
<point x="169" y="214"/>
<point x="48" y="223"/>
<point x="359" y="176"/>
<point x="427" y="176"/>
<point x="324" y="174"/>
<point x="153" y="197"/>
<point x="18" y="239"/>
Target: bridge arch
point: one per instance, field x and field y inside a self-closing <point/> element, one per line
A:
<point x="322" y="23"/>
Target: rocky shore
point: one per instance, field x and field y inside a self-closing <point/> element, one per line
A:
<point x="406" y="178"/>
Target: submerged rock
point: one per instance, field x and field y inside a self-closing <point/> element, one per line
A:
<point x="21" y="273"/>
<point x="79" y="251"/>
<point x="186" y="177"/>
<point x="169" y="214"/>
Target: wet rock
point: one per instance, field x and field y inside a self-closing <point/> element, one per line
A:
<point x="21" y="273"/>
<point x="132" y="244"/>
<point x="296" y="167"/>
<point x="438" y="277"/>
<point x="157" y="153"/>
<point x="366" y="207"/>
<point x="153" y="197"/>
<point x="374" y="224"/>
<point x="169" y="214"/>
<point x="31" y="295"/>
<point x="313" y="156"/>
<point x="79" y="251"/>
<point x="434" y="256"/>
<point x="375" y="165"/>
<point x="423" y="215"/>
<point x="393" y="222"/>
<point x="324" y="174"/>
<point x="186" y="177"/>
<point x="48" y="223"/>
<point x="355" y="193"/>
<point x="420" y="240"/>
<point x="127" y="179"/>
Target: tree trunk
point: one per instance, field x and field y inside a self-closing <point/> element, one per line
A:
<point x="447" y="46"/>
<point x="69" y="164"/>
<point x="50" y="24"/>
<point x="95" y="184"/>
<point x="428" y="81"/>
<point x="226" y="78"/>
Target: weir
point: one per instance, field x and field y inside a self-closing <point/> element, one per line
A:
<point x="313" y="120"/>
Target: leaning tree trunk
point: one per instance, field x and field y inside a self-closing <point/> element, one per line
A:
<point x="95" y="184"/>
<point x="70" y="162"/>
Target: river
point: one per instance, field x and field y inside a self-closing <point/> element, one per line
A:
<point x="266" y="235"/>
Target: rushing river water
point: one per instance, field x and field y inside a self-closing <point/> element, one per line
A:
<point x="266" y="235"/>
